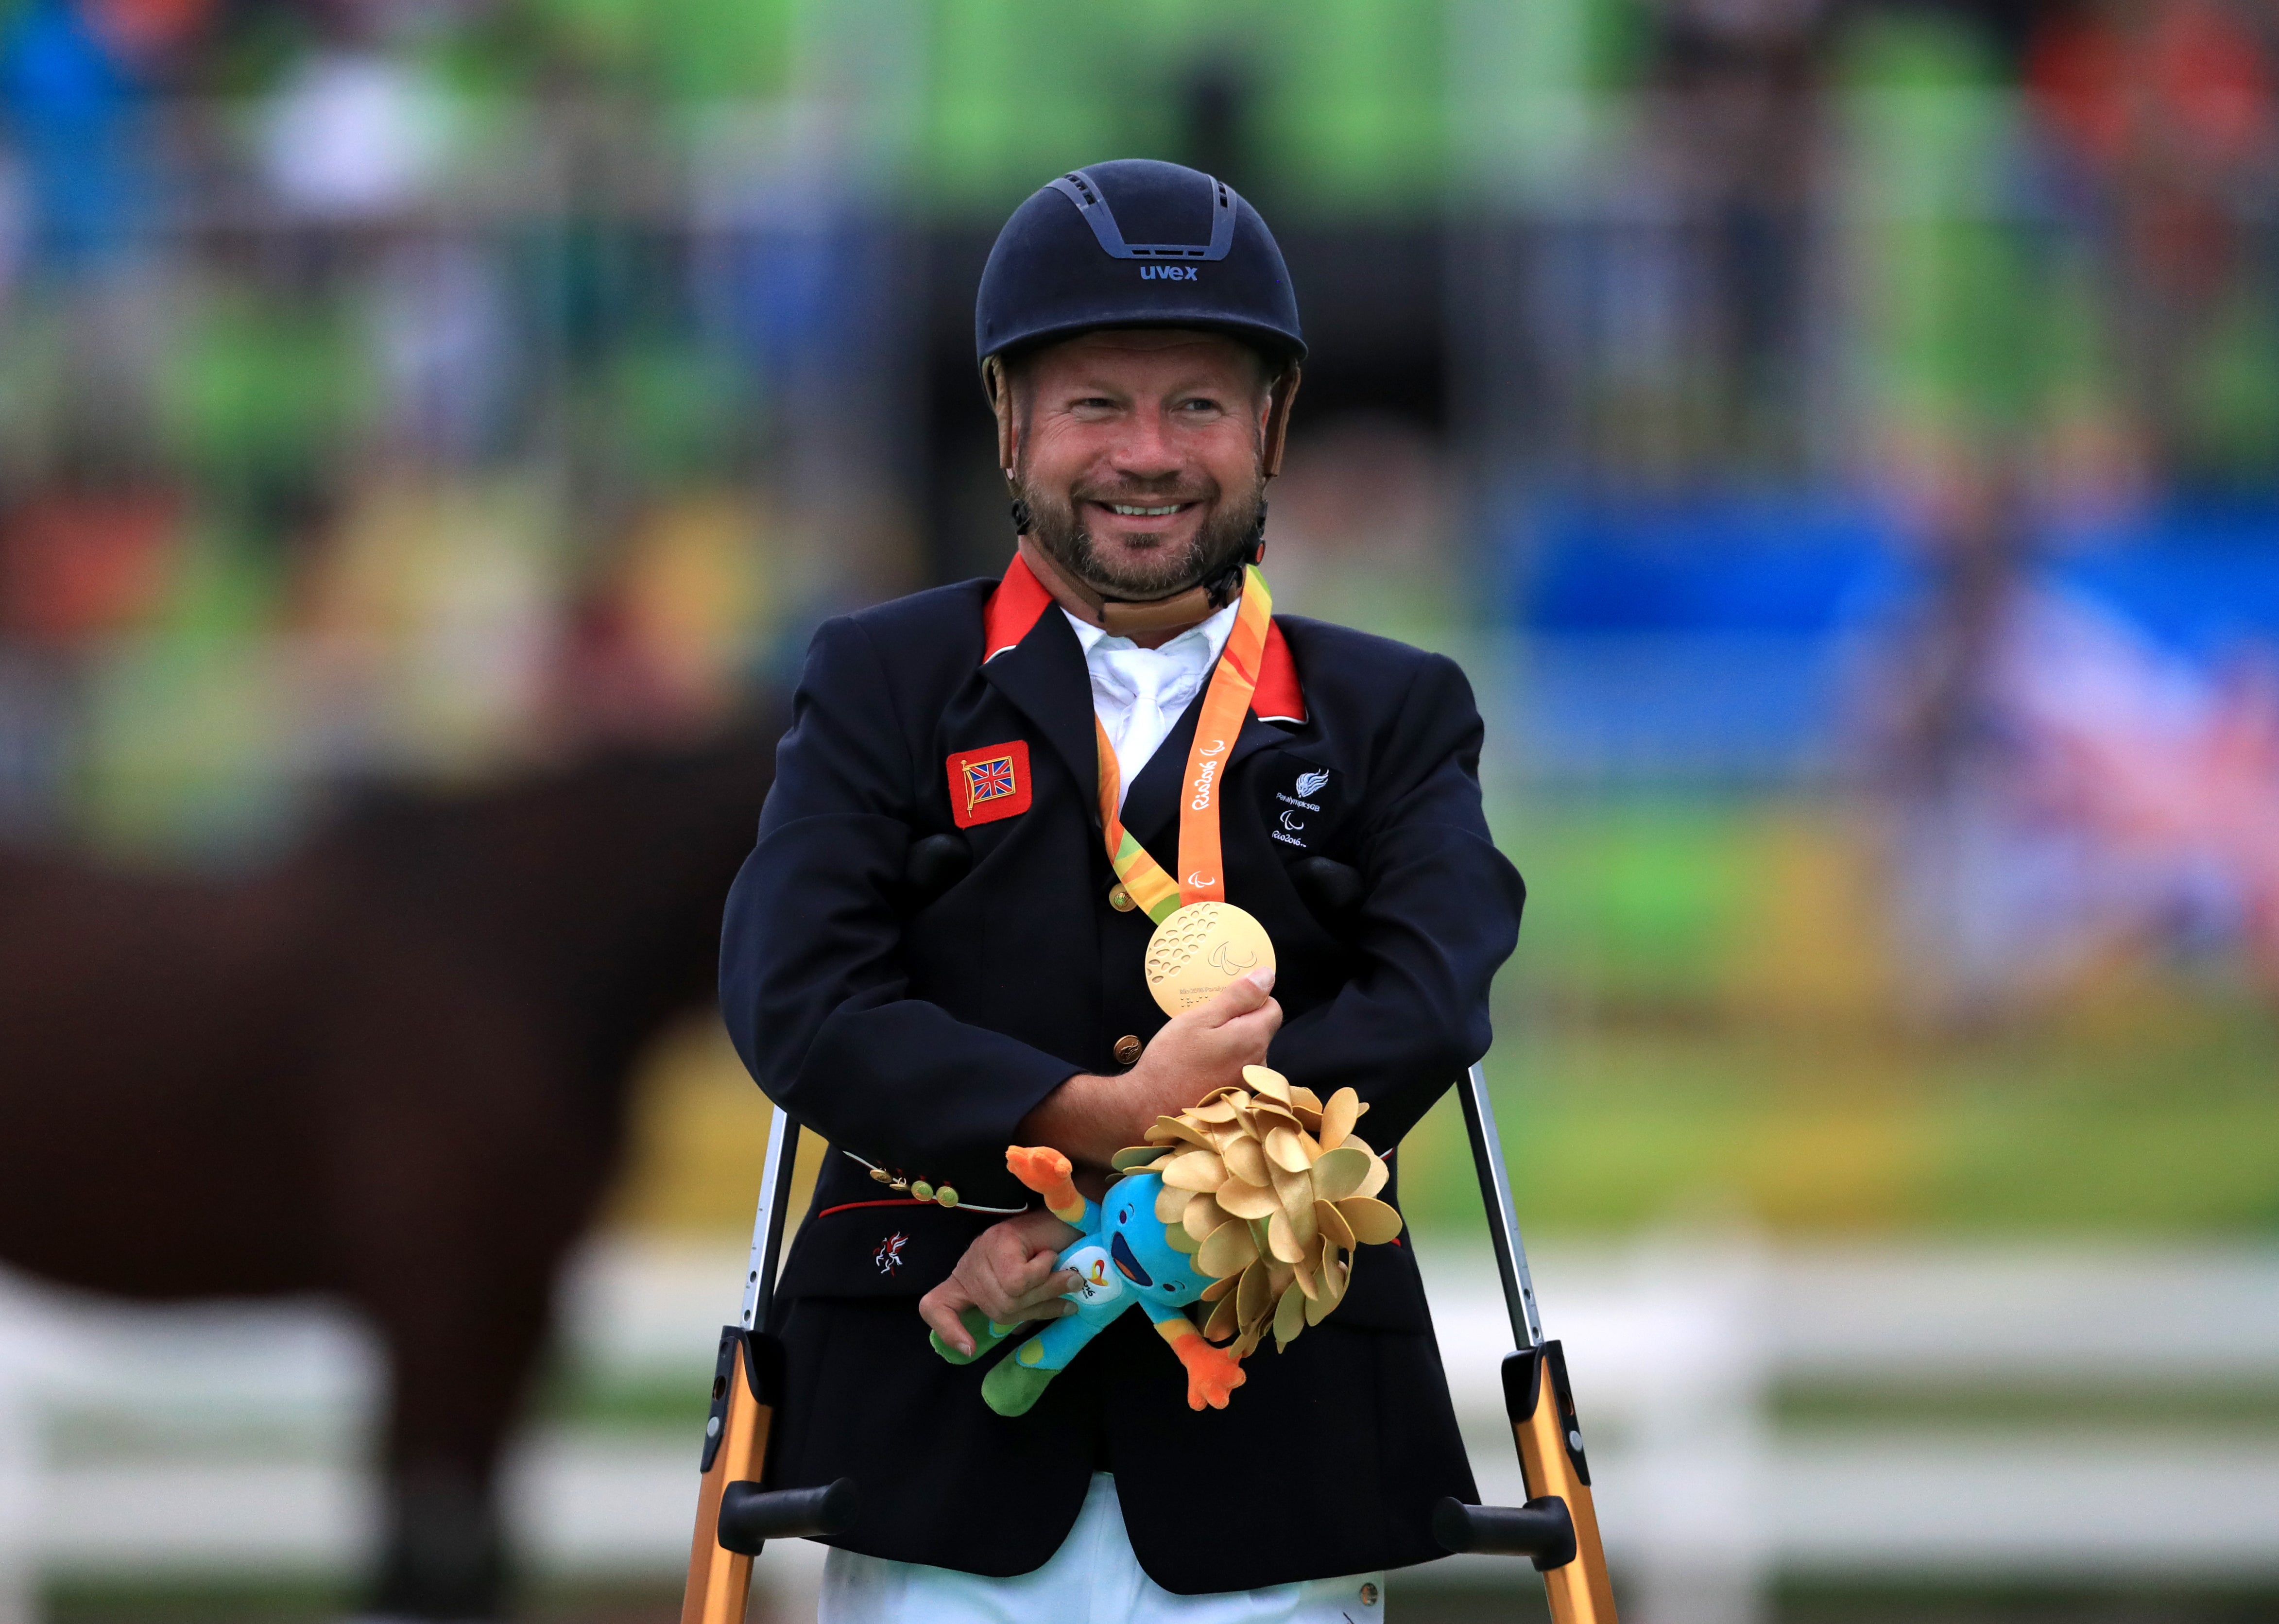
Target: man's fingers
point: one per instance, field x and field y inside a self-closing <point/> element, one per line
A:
<point x="1051" y="1284"/>
<point x="994" y="1292"/>
<point x="1010" y="1303"/>
<point x="1019" y="1300"/>
<point x="1006" y="1274"/>
<point x="1035" y="1289"/>
<point x="999" y="1305"/>
<point x="1047" y="1299"/>
<point x="938" y="1309"/>
<point x="1023" y="1293"/>
<point x="1238" y="998"/>
<point x="1267" y="1017"/>
<point x="1028" y="1282"/>
<point x="1243" y="1040"/>
<point x="1003" y="1247"/>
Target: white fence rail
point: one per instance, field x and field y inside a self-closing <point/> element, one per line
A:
<point x="1677" y="1351"/>
<point x="237" y="1434"/>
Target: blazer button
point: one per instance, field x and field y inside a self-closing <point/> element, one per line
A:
<point x="1119" y="899"/>
<point x="1127" y="1050"/>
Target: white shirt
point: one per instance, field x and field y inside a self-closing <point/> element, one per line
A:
<point x="1138" y="692"/>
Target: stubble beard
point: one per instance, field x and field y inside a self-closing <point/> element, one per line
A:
<point x="1225" y="538"/>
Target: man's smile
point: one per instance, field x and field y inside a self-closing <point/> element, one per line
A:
<point x="1148" y="524"/>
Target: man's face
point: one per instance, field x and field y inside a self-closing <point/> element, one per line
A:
<point x="1138" y="453"/>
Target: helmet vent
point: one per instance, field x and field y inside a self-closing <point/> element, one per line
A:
<point x="1080" y="190"/>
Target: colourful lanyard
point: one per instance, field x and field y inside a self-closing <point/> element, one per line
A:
<point x="1225" y="705"/>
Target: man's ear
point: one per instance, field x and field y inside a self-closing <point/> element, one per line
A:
<point x="1277" y="420"/>
<point x="1000" y="388"/>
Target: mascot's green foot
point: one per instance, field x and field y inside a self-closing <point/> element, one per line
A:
<point x="985" y="1332"/>
<point x="1012" y="1387"/>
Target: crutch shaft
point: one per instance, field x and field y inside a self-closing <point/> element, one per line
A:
<point x="1541" y="1408"/>
<point x="746" y="1386"/>
<point x="745" y="1383"/>
<point x="1551" y="1458"/>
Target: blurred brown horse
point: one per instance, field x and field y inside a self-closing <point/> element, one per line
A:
<point x="392" y="1068"/>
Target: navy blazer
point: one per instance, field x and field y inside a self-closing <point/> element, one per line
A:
<point x="916" y="1021"/>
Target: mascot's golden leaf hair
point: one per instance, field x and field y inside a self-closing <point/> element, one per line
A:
<point x="1270" y="1189"/>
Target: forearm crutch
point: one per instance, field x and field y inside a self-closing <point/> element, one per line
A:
<point x="1557" y="1527"/>
<point x="735" y="1515"/>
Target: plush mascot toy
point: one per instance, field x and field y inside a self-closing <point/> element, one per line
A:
<point x="1251" y="1202"/>
<point x="1122" y="1258"/>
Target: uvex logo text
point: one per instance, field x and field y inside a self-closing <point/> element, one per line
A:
<point x="1166" y="273"/>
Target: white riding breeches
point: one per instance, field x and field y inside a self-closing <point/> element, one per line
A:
<point x="1094" y="1578"/>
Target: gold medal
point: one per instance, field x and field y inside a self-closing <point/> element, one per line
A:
<point x="1200" y="949"/>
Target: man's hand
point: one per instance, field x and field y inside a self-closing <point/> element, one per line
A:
<point x="1007" y="1274"/>
<point x="1090" y="1118"/>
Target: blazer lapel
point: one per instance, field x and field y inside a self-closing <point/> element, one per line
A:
<point x="1256" y="736"/>
<point x="1044" y="676"/>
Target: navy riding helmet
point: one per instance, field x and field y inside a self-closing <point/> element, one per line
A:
<point x="1135" y="243"/>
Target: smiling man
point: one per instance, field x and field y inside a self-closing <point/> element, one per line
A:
<point x="992" y="798"/>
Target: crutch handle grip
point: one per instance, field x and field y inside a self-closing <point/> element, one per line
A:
<point x="1541" y="1529"/>
<point x="750" y="1515"/>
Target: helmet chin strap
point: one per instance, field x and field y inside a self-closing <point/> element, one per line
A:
<point x="1281" y="394"/>
<point x="1119" y="617"/>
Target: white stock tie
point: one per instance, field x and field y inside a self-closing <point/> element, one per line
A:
<point x="1137" y="692"/>
<point x="1149" y="687"/>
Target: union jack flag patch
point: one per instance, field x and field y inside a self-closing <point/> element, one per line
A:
<point x="988" y="784"/>
<point x="989" y="780"/>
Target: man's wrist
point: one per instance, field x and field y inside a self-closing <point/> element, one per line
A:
<point x="1072" y="1120"/>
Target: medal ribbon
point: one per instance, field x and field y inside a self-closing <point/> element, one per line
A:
<point x="1225" y="703"/>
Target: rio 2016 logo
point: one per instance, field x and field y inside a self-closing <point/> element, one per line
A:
<point x="1097" y="1279"/>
